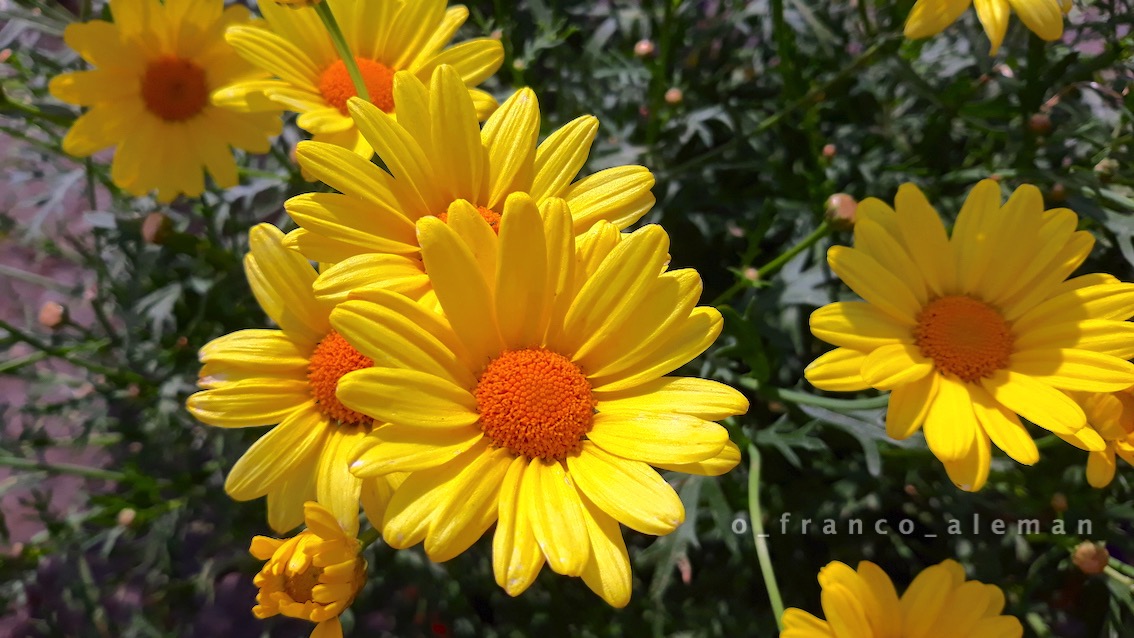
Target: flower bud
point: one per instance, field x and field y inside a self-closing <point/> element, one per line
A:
<point x="841" y="210"/>
<point x="644" y="48"/>
<point x="52" y="314"/>
<point x="1091" y="558"/>
<point x="674" y="96"/>
<point x="156" y="228"/>
<point x="1040" y="124"/>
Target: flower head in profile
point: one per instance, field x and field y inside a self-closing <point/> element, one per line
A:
<point x="314" y="575"/>
<point x="1110" y="416"/>
<point x="441" y="161"/>
<point x="1043" y="17"/>
<point x="148" y="95"/>
<point x="386" y="36"/>
<point x="939" y="602"/>
<point x="974" y="330"/>
<point x="538" y="401"/>
<point x="288" y="377"/>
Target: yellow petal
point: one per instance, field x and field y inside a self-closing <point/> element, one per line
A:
<point x="460" y="159"/>
<point x="909" y="405"/>
<point x="371" y="271"/>
<point x="267" y="351"/>
<point x="1101" y="468"/>
<point x="1036" y="401"/>
<point x="274" y="54"/>
<point x="1003" y="427"/>
<point x="677" y="347"/>
<point x="839" y="370"/>
<point x="894" y="365"/>
<point x="630" y="491"/>
<point x="249" y="402"/>
<point x="510" y="136"/>
<point x="724" y="461"/>
<point x="858" y="325"/>
<point x="401" y="335"/>
<point x="470" y="506"/>
<point x="1043" y="17"/>
<point x="523" y="298"/>
<point x="414" y="183"/>
<point x="1105" y="336"/>
<point x="701" y="398"/>
<point x="368" y="223"/>
<point x="555" y="510"/>
<point x="418" y="499"/>
<point x="400" y="448"/>
<point x="473" y="60"/>
<point x="562" y="155"/>
<point x="993" y="15"/>
<point x="930" y="17"/>
<point x="410" y="30"/>
<point x="1072" y="369"/>
<point x="281" y="281"/>
<point x="950" y="424"/>
<point x="281" y="451"/>
<point x="607" y="572"/>
<point x="287" y="498"/>
<point x="657" y="438"/>
<point x="337" y="489"/>
<point x="463" y="292"/>
<point x="407" y="397"/>
<point x="622" y="278"/>
<point x="480" y="238"/>
<point x="922" y="601"/>
<point x="874" y="283"/>
<point x="619" y="195"/>
<point x="516" y="557"/>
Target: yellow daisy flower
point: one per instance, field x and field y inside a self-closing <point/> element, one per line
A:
<point x="314" y="575"/>
<point x="288" y="377"/>
<point x="1111" y="417"/>
<point x="863" y="603"/>
<point x="971" y="331"/>
<point x="538" y="401"/>
<point x="442" y="161"/>
<point x="148" y="95"/>
<point x="1043" y="17"/>
<point x="386" y="36"/>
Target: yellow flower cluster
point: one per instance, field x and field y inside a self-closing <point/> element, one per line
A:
<point x="485" y="345"/>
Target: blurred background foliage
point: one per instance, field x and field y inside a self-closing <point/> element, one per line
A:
<point x="751" y="114"/>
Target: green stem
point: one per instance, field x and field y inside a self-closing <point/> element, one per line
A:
<point x="66" y="355"/>
<point x="337" y="37"/>
<point x="368" y="537"/>
<point x="771" y="267"/>
<point x="61" y="468"/>
<point x="839" y="405"/>
<point x="1121" y="567"/>
<point x="1119" y="576"/>
<point x="760" y="538"/>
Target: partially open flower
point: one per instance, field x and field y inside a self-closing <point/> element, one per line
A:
<point x="1091" y="558"/>
<point x="314" y="575"/>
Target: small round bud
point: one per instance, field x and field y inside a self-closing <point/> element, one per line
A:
<point x="830" y="150"/>
<point x="1059" y="502"/>
<point x="644" y="48"/>
<point x="52" y="314"/>
<point x="674" y="96"/>
<point x="519" y="65"/>
<point x="1058" y="193"/>
<point x="496" y="34"/>
<point x="1039" y="124"/>
<point x="842" y="210"/>
<point x="1091" y="558"/>
<point x="4" y="55"/>
<point x="1106" y="169"/>
<point x="751" y="274"/>
<point x="126" y="516"/>
<point x="182" y="341"/>
<point x="156" y="228"/>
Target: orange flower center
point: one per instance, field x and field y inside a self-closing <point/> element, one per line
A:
<point x="489" y="215"/>
<point x="337" y="87"/>
<point x="174" y="89"/>
<point x="535" y="402"/>
<point x="333" y="358"/>
<point x="964" y="336"/>
<point x="299" y="586"/>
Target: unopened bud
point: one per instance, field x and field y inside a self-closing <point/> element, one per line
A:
<point x="156" y="228"/>
<point x="644" y="48"/>
<point x="751" y="274"/>
<point x="842" y="210"/>
<point x="674" y="96"/>
<point x="1058" y="193"/>
<point x="1040" y="124"/>
<point x="830" y="150"/>
<point x="52" y="314"/>
<point x="126" y="516"/>
<point x="1059" y="502"/>
<point x="1106" y="169"/>
<point x="1091" y="558"/>
<point x="496" y="34"/>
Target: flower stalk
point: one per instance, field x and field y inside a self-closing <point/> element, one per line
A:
<point x="760" y="538"/>
<point x="337" y="37"/>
